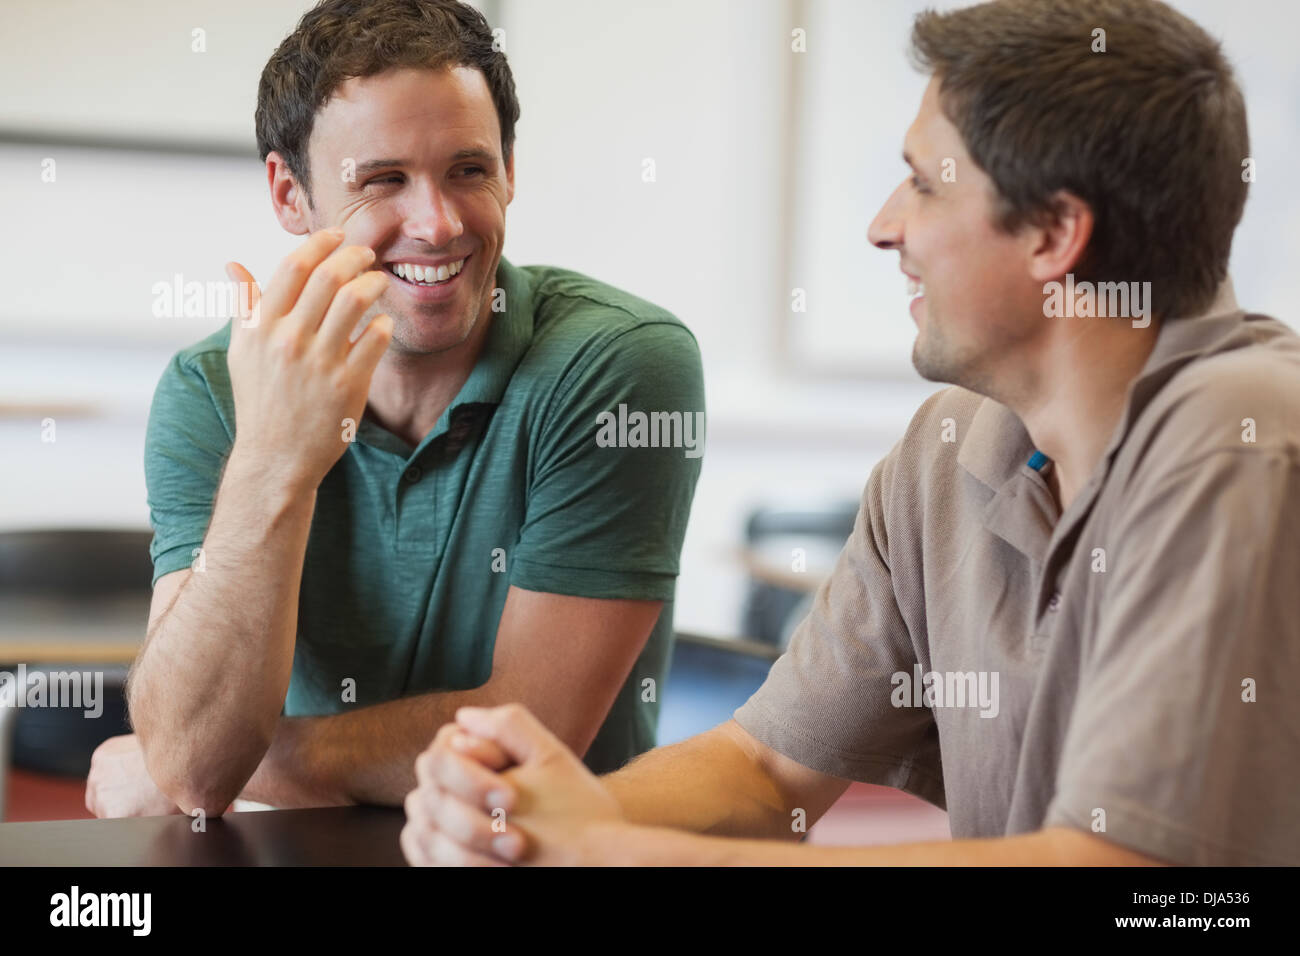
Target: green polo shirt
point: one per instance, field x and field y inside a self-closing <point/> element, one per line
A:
<point x="522" y="481"/>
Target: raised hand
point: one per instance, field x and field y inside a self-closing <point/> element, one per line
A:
<point x="298" y="377"/>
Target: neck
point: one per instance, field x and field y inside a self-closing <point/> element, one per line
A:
<point x="409" y="390"/>
<point x="1079" y="389"/>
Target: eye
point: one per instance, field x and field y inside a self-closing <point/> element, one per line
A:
<point x="916" y="184"/>
<point x="472" y="170"/>
<point x="385" y="179"/>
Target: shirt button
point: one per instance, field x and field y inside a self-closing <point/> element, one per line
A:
<point x="1054" y="602"/>
<point x="412" y="474"/>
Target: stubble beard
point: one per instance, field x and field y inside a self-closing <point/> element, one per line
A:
<point x="404" y="342"/>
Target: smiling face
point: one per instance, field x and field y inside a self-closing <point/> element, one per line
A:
<point x="409" y="163"/>
<point x="980" y="311"/>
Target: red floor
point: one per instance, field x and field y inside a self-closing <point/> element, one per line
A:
<point x="41" y="796"/>
<point x="868" y="815"/>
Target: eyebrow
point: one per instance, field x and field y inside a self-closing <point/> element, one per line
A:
<point x="374" y="165"/>
<point x="474" y="153"/>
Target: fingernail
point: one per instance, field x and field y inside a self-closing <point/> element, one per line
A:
<point x="507" y="845"/>
<point x="497" y="798"/>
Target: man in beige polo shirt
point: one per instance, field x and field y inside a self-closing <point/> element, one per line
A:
<point x="1069" y="611"/>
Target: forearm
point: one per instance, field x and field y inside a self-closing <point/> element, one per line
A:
<point x="644" y="846"/>
<point x="363" y="756"/>
<point x="208" y="686"/>
<point x="710" y="783"/>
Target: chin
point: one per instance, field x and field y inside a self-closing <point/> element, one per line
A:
<point x="927" y="371"/>
<point x="932" y="367"/>
<point x="428" y="337"/>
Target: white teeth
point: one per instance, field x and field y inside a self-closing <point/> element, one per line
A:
<point x="915" y="287"/>
<point x="427" y="275"/>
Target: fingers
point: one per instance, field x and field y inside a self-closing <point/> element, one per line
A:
<point x="321" y="291"/>
<point x="445" y="769"/>
<point x="519" y="734"/>
<point x="423" y="846"/>
<point x="339" y="280"/>
<point x="456" y="815"/>
<point x="288" y="282"/>
<point x="486" y="752"/>
<point x="430" y="811"/>
<point x="345" y="309"/>
<point x="371" y="345"/>
<point x="92" y="782"/>
<point x="248" y="300"/>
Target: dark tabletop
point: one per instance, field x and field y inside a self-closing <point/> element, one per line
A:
<point x="331" y="836"/>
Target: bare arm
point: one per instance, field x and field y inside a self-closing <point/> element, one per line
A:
<point x="564" y="657"/>
<point x="1055" y="846"/>
<point x="557" y="813"/>
<point x="722" y="782"/>
<point x="207" y="688"/>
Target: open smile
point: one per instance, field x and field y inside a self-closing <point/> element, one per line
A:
<point x="428" y="282"/>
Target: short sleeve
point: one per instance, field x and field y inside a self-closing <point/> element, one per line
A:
<point x="606" y="508"/>
<point x="186" y="445"/>
<point x="1186" y="725"/>
<point x="826" y="702"/>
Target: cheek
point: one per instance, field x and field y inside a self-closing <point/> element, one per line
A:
<point x="484" y="218"/>
<point x="373" y="222"/>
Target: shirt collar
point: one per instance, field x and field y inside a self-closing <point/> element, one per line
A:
<point x="998" y="450"/>
<point x="507" y="340"/>
<point x="1179" y="342"/>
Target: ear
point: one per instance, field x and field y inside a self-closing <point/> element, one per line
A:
<point x="1058" y="243"/>
<point x="510" y="178"/>
<point x="287" y="198"/>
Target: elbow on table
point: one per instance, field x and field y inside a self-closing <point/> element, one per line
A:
<point x="199" y="776"/>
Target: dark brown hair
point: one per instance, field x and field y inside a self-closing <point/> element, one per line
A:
<point x="340" y="39"/>
<point x="1151" y="133"/>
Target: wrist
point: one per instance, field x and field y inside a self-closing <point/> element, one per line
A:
<point x="614" y="843"/>
<point x="279" y="482"/>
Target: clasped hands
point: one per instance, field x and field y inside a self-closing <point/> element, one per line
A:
<point x="496" y="788"/>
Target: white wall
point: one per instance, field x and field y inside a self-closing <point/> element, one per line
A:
<point x="130" y="69"/>
<point x="699" y="86"/>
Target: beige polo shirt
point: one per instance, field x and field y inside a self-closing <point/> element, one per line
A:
<point x="1131" y="667"/>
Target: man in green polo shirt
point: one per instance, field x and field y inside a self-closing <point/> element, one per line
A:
<point x="390" y="490"/>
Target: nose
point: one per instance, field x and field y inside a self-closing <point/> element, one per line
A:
<point x="433" y="217"/>
<point x="886" y="230"/>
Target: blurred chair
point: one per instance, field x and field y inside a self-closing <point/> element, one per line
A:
<point x="61" y="591"/>
<point x="777" y="596"/>
<point x="73" y="564"/>
<point x="709" y="678"/>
